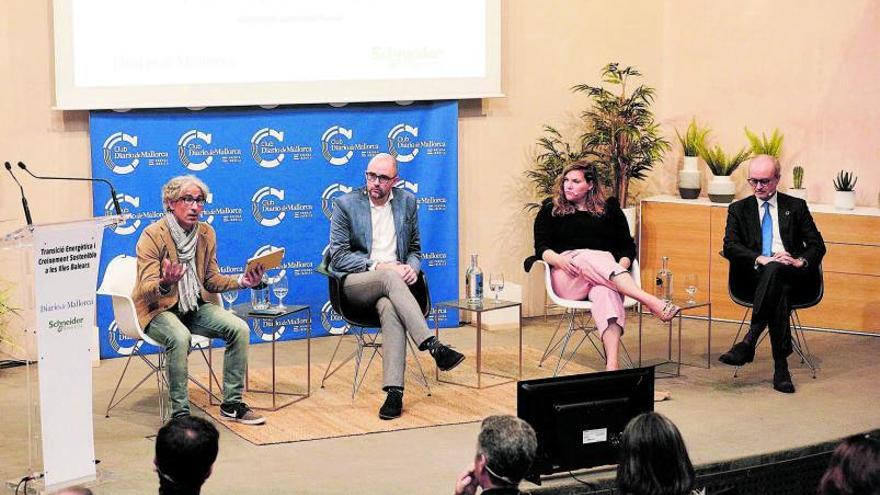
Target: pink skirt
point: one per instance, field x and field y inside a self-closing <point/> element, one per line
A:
<point x="593" y="284"/>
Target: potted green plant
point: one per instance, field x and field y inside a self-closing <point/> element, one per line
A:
<point x="798" y="191"/>
<point x="766" y="146"/>
<point x="845" y="185"/>
<point x="721" y="187"/>
<point x="6" y="309"/>
<point x="689" y="177"/>
<point x="554" y="154"/>
<point x="621" y="132"/>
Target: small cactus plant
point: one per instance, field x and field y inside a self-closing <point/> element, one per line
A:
<point x="845" y="181"/>
<point x="798" y="175"/>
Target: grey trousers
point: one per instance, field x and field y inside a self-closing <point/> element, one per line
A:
<point x="399" y="313"/>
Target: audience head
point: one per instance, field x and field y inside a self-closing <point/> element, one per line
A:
<point x="653" y="458"/>
<point x="854" y="468"/>
<point x="184" y="196"/>
<point x="505" y="450"/>
<point x="186" y="448"/>
<point x="381" y="176"/>
<point x="764" y="173"/>
<point x="578" y="185"/>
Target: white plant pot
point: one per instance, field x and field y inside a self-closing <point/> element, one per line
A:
<point x="721" y="189"/>
<point x="630" y="214"/>
<point x="689" y="183"/>
<point x="690" y="164"/>
<point x="845" y="200"/>
<point x="797" y="193"/>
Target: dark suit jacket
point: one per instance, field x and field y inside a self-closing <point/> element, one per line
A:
<point x="351" y="231"/>
<point x="800" y="237"/>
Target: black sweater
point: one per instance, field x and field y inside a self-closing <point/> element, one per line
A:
<point x="582" y="230"/>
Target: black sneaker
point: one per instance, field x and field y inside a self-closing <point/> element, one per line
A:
<point x="445" y="356"/>
<point x="393" y="406"/>
<point x="241" y="413"/>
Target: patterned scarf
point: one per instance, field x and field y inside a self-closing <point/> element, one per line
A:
<point x="188" y="287"/>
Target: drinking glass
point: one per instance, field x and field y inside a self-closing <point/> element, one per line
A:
<point x="496" y="283"/>
<point x="230" y="296"/>
<point x="690" y="284"/>
<point x="280" y="288"/>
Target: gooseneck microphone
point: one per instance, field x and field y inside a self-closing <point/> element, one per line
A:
<point x="27" y="211"/>
<point x="116" y="207"/>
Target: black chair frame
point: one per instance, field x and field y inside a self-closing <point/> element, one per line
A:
<point x="360" y="320"/>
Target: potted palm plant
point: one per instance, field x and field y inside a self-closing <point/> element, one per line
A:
<point x="766" y="146"/>
<point x="621" y="132"/>
<point x="845" y="185"/>
<point x="798" y="191"/>
<point x="554" y="154"/>
<point x="689" y="177"/>
<point x="6" y="309"/>
<point x="721" y="187"/>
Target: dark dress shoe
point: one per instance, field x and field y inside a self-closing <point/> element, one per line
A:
<point x="738" y="355"/>
<point x="782" y="381"/>
<point x="445" y="357"/>
<point x="393" y="406"/>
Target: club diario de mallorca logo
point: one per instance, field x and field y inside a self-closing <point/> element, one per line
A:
<point x="269" y="208"/>
<point x="268" y="148"/>
<point x="122" y="157"/>
<point x="404" y="145"/>
<point x="329" y="194"/>
<point x="196" y="154"/>
<point x="130" y="205"/>
<point x="121" y="343"/>
<point x="337" y="148"/>
<point x="331" y="321"/>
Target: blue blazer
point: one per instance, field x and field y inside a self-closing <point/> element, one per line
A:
<point x="351" y="231"/>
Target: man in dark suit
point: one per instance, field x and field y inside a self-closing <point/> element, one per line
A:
<point x="773" y="245"/>
<point x="375" y="249"/>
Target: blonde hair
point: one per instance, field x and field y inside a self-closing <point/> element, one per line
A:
<point x="171" y="189"/>
<point x="595" y="200"/>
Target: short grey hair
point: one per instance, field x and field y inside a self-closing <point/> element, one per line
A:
<point x="509" y="445"/>
<point x="171" y="190"/>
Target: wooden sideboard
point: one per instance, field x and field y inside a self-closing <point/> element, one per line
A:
<point x="691" y="234"/>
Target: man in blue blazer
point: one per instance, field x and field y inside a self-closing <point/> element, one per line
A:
<point x="775" y="249"/>
<point x="374" y="245"/>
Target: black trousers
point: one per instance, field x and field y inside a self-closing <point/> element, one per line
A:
<point x="776" y="287"/>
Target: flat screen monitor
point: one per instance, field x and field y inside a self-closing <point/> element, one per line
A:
<point x="579" y="419"/>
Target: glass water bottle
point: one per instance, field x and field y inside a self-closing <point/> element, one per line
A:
<point x="663" y="286"/>
<point x="474" y="282"/>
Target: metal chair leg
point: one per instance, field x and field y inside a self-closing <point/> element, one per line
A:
<point x="327" y="372"/>
<point x="423" y="379"/>
<point x="736" y="338"/>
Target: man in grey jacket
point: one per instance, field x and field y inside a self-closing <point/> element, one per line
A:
<point x="374" y="245"/>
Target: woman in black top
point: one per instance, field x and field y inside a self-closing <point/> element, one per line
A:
<point x="586" y="242"/>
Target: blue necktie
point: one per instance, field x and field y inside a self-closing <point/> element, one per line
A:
<point x="767" y="232"/>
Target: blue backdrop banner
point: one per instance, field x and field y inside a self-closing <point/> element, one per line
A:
<point x="273" y="175"/>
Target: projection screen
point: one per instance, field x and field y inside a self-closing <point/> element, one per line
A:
<point x="196" y="53"/>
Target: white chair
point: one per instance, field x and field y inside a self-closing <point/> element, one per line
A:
<point x="577" y="317"/>
<point x="119" y="281"/>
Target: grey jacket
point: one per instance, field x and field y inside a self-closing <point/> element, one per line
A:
<point x="351" y="231"/>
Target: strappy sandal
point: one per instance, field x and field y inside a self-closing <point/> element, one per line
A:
<point x="669" y="312"/>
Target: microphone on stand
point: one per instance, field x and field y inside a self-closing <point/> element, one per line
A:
<point x="24" y="204"/>
<point x="116" y="207"/>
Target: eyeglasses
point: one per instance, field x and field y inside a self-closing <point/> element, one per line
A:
<point x="763" y="182"/>
<point x="189" y="200"/>
<point x="383" y="179"/>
